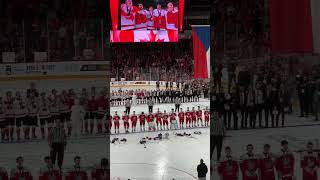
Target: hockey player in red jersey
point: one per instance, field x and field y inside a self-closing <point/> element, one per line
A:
<point x="194" y="117"/>
<point x="309" y="163"/>
<point x="128" y="12"/>
<point x="267" y="164"/>
<point x="150" y="119"/>
<point x="285" y="162"/>
<point x="102" y="109"/>
<point x="20" y="172"/>
<point x="116" y="122"/>
<point x="142" y="119"/>
<point x="134" y="119"/>
<point x="206" y="116"/>
<point x="76" y="172"/>
<point x="141" y="18"/>
<point x="101" y="172"/>
<point x="173" y="120"/>
<point x="159" y="18"/>
<point x="188" y="117"/>
<point x="171" y="17"/>
<point x="228" y="167"/>
<point x="3" y="174"/>
<point x="249" y="164"/>
<point x="49" y="171"/>
<point x="165" y="120"/>
<point x="125" y="119"/>
<point x="181" y="118"/>
<point x="159" y="119"/>
<point x="199" y="116"/>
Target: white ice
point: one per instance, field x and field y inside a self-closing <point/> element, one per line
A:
<point x="175" y="158"/>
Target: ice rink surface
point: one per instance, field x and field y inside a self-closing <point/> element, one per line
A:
<point x="174" y="158"/>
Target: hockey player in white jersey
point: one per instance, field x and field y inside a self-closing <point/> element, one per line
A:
<point x="77" y="116"/>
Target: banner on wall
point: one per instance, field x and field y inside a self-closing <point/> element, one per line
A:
<point x="54" y="68"/>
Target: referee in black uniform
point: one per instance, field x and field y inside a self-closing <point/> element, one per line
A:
<point x="57" y="140"/>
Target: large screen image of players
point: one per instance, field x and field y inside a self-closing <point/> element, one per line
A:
<point x="147" y="21"/>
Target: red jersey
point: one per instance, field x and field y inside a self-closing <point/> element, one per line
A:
<point x="17" y="174"/>
<point x="181" y="115"/>
<point x="285" y="164"/>
<point x="173" y="116"/>
<point x="199" y="113"/>
<point x="100" y="174"/>
<point x="116" y="118"/>
<point x="194" y="114"/>
<point x="77" y="174"/>
<point x="125" y="118"/>
<point x="142" y="117"/>
<point x="150" y="118"/>
<point x="165" y="117"/>
<point x="206" y="114"/>
<point x="267" y="166"/>
<point x="228" y="168"/>
<point x="309" y="165"/>
<point x="188" y="115"/>
<point x="158" y="116"/>
<point x="134" y="118"/>
<point x="51" y="175"/>
<point x="3" y="174"/>
<point x="249" y="166"/>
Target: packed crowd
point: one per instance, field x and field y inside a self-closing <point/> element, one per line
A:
<point x="27" y="111"/>
<point x="152" y="61"/>
<point x="242" y="28"/>
<point x="51" y="171"/>
<point x="187" y="119"/>
<point x="268" y="165"/>
<point x="65" y="30"/>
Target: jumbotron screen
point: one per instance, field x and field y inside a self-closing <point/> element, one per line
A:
<point x="146" y="20"/>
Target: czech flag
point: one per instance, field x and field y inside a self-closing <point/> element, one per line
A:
<point x="201" y="50"/>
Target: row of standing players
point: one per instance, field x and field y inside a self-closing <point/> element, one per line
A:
<point x="267" y="165"/>
<point x="192" y="118"/>
<point x="49" y="171"/>
<point x="28" y="112"/>
<point x="251" y="103"/>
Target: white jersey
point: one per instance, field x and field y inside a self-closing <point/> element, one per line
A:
<point x="77" y="112"/>
<point x="9" y="108"/>
<point x="54" y="105"/>
<point x="44" y="108"/>
<point x="150" y="22"/>
<point x="127" y="17"/>
<point x="20" y="108"/>
<point x="33" y="106"/>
